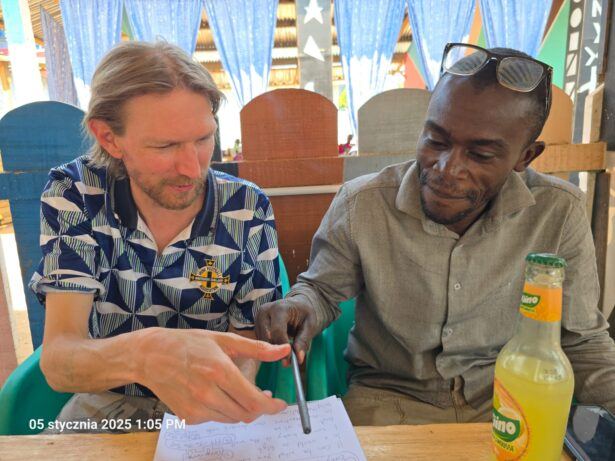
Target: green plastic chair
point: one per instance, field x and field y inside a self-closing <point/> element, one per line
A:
<point x="272" y="375"/>
<point x="326" y="367"/>
<point x="27" y="402"/>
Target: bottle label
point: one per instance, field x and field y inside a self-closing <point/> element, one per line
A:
<point x="541" y="303"/>
<point x="510" y="433"/>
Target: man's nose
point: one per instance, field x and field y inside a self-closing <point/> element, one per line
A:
<point x="452" y="163"/>
<point x="187" y="161"/>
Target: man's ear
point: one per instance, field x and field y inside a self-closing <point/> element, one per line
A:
<point x="105" y="137"/>
<point x="529" y="154"/>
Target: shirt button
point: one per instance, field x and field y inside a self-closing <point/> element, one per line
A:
<point x="457" y="286"/>
<point x="447" y="332"/>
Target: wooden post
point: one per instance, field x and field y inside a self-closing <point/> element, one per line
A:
<point x="608" y="304"/>
<point x="600" y="225"/>
<point x="8" y="356"/>
<point x="608" y="135"/>
<point x="591" y="57"/>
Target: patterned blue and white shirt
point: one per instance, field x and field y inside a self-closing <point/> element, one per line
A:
<point x="217" y="271"/>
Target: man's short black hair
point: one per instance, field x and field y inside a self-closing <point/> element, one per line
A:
<point x="487" y="77"/>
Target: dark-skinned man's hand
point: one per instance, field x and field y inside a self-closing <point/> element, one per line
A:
<point x="286" y="319"/>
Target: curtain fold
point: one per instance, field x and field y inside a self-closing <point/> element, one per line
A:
<point x="92" y="27"/>
<point x="59" y="71"/>
<point x="243" y="31"/>
<point x="367" y="32"/>
<point x="518" y="24"/>
<point x="176" y="21"/>
<point x="434" y="24"/>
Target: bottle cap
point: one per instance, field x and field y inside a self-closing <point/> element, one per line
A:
<point x="546" y="259"/>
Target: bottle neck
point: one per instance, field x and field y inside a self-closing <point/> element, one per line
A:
<point x="538" y="331"/>
<point x="541" y="311"/>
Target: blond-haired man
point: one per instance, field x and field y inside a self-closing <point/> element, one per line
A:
<point x="150" y="257"/>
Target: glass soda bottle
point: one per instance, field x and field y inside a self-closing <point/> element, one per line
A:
<point x="533" y="378"/>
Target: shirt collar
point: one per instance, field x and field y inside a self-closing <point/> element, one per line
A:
<point x="514" y="196"/>
<point x="123" y="203"/>
<point x="126" y="210"/>
<point x="408" y="198"/>
<point x="205" y="221"/>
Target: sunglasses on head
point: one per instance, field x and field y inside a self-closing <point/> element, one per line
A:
<point x="516" y="73"/>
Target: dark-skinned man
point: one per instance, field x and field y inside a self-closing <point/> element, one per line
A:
<point x="434" y="253"/>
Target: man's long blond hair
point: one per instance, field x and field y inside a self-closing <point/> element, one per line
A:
<point x="133" y="69"/>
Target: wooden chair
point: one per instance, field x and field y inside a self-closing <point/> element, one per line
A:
<point x="34" y="138"/>
<point x="558" y="127"/>
<point x="582" y="164"/>
<point x="289" y="140"/>
<point x="390" y="122"/>
<point x="564" y="159"/>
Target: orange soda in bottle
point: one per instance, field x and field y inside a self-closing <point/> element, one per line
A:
<point x="534" y="381"/>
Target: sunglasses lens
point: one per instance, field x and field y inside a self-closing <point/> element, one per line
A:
<point x="520" y="74"/>
<point x="464" y="60"/>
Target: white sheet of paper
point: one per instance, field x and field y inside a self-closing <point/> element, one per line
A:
<point x="271" y="437"/>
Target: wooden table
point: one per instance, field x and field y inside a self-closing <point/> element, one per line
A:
<point x="442" y="442"/>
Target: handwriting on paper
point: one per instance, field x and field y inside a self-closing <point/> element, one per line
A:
<point x="271" y="437"/>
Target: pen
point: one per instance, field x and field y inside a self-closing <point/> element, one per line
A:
<point x="301" y="403"/>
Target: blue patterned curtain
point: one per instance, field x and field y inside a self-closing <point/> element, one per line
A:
<point x="518" y="24"/>
<point x="367" y="32"/>
<point x="59" y="72"/>
<point x="243" y="33"/>
<point x="434" y="24"/>
<point x="92" y="28"/>
<point x="177" y="21"/>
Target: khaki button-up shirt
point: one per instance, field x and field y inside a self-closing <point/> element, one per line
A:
<point x="432" y="305"/>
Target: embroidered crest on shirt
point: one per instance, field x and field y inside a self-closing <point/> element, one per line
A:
<point x="210" y="279"/>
